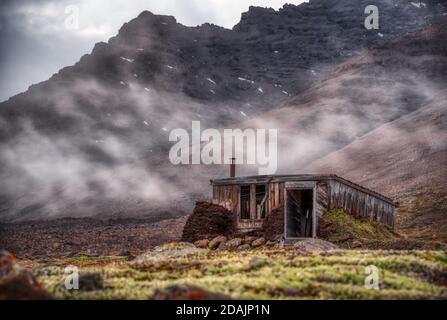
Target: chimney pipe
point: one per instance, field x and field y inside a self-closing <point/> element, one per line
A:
<point x="233" y="168"/>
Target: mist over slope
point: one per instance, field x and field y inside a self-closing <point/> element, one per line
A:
<point x="378" y="119"/>
<point x="375" y="87"/>
<point x="93" y="139"/>
<point x="405" y="159"/>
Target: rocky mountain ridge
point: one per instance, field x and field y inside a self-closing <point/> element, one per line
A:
<point x="93" y="139"/>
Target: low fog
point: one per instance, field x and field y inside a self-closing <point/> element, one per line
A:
<point x="94" y="140"/>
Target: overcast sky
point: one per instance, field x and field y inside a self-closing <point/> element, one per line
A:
<point x="35" y="41"/>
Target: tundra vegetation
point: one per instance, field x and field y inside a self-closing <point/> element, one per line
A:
<point x="266" y="273"/>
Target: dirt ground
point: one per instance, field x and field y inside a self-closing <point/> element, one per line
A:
<point x="95" y="237"/>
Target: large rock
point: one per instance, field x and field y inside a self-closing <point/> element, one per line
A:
<point x="22" y="285"/>
<point x="202" y="243"/>
<point x="315" y="245"/>
<point x="16" y="283"/>
<point x="258" y="243"/>
<point x="271" y="243"/>
<point x="208" y="221"/>
<point x="216" y="242"/>
<point x="232" y="244"/>
<point x="249" y="239"/>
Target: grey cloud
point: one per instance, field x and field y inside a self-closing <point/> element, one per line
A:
<point x="34" y="43"/>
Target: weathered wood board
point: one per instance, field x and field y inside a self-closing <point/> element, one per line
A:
<point x="329" y="191"/>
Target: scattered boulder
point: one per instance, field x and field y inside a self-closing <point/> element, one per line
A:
<point x="244" y="247"/>
<point x="187" y="292"/>
<point x="91" y="281"/>
<point x="315" y="244"/>
<point x="249" y="239"/>
<point x="271" y="243"/>
<point x="232" y="244"/>
<point x="207" y="221"/>
<point x="201" y="243"/>
<point x="222" y="243"/>
<point x="215" y="243"/>
<point x="258" y="243"/>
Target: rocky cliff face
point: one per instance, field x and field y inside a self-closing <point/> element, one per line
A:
<point x="93" y="139"/>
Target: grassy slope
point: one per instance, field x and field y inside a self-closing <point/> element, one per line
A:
<point x="277" y="274"/>
<point x="351" y="232"/>
<point x="348" y="231"/>
<point x="359" y="228"/>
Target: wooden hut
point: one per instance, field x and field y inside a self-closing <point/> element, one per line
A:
<point x="305" y="198"/>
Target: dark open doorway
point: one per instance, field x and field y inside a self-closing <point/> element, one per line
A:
<point x="298" y="213"/>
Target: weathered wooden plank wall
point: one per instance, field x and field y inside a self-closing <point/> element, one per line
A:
<point x="330" y="194"/>
<point x="360" y="204"/>
<point x="322" y="198"/>
<point x="227" y="197"/>
<point x="276" y="195"/>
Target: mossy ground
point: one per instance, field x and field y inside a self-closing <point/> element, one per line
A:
<point x="283" y="274"/>
<point x="348" y="231"/>
<point x="360" y="228"/>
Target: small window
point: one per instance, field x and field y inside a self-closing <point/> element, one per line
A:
<point x="245" y="202"/>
